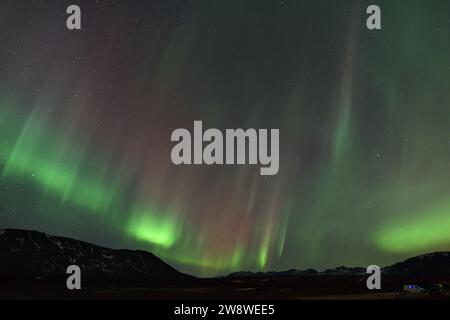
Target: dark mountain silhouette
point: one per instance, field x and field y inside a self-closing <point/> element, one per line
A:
<point x="292" y="272"/>
<point x="43" y="259"/>
<point x="34" y="254"/>
<point x="345" y="270"/>
<point x="432" y="264"/>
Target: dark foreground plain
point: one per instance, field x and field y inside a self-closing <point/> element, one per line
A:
<point x="322" y="287"/>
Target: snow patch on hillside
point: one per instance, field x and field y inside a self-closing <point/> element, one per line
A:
<point x="59" y="244"/>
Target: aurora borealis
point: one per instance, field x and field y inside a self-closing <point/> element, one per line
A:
<point x="364" y="117"/>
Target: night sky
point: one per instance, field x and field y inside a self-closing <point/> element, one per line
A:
<point x="364" y="118"/>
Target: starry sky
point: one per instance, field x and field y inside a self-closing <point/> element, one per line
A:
<point x="364" y="118"/>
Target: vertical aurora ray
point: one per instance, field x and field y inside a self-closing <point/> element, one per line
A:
<point x="39" y="156"/>
<point x="378" y="196"/>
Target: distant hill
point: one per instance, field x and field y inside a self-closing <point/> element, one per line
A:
<point x="38" y="255"/>
<point x="432" y="264"/>
<point x="292" y="272"/>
